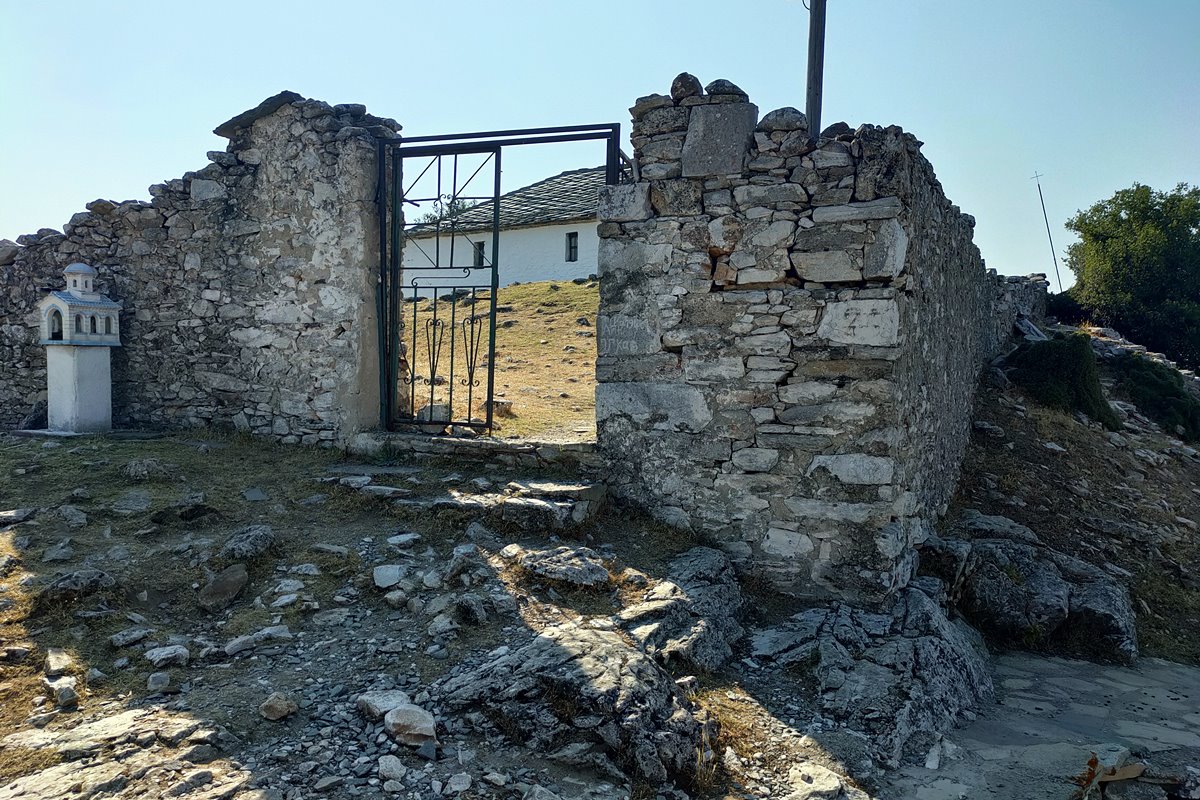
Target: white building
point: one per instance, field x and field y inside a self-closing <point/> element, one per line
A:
<point x="547" y="232"/>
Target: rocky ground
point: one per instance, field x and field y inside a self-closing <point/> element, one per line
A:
<point x="1124" y="502"/>
<point x="219" y="618"/>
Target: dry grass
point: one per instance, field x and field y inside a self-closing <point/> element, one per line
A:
<point x="88" y="473"/>
<point x="737" y="717"/>
<point x="21" y="761"/>
<point x="545" y="359"/>
<point x="756" y="734"/>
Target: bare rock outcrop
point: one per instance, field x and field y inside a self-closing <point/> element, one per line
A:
<point x="690" y="618"/>
<point x="900" y="678"/>
<point x="584" y="696"/>
<point x="1023" y="594"/>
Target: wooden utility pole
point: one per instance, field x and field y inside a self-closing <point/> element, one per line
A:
<point x="816" y="66"/>
<point x="1037" y="177"/>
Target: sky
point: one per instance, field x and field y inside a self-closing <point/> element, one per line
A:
<point x="104" y="99"/>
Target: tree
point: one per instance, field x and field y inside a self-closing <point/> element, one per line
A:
<point x="1137" y="267"/>
<point x="446" y="207"/>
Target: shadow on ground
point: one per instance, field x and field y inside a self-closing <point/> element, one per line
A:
<point x="117" y="682"/>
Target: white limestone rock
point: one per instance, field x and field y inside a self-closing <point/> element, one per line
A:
<point x="883" y="208"/>
<point x="756" y="459"/>
<point x="628" y="202"/>
<point x="855" y="468"/>
<point x="410" y="724"/>
<point x="718" y="139"/>
<point x="833" y="266"/>
<point x="787" y="543"/>
<point x="175" y="655"/>
<point x="875" y="323"/>
<point x="884" y="258"/>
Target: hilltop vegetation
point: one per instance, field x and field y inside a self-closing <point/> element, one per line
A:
<point x="1137" y="267"/>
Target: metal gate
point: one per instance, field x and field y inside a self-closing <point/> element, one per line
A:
<point x="437" y="315"/>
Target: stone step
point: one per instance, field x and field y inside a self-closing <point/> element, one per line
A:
<point x="533" y="504"/>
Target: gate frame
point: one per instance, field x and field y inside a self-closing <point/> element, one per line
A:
<point x="390" y="197"/>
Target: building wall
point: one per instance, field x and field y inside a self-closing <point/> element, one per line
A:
<point x="248" y="287"/>
<point x="526" y="254"/>
<point x="789" y="340"/>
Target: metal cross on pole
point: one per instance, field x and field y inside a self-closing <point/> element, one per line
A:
<point x="1037" y="177"/>
<point x="816" y="66"/>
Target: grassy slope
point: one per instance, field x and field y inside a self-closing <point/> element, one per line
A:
<point x="545" y="361"/>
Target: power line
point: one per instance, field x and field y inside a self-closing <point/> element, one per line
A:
<point x="1037" y="177"/>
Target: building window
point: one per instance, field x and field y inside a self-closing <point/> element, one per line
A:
<point x="56" y="325"/>
<point x="74" y="283"/>
<point x="95" y="327"/>
<point x="572" y="246"/>
<point x="108" y="325"/>
<point x="78" y="324"/>
<point x="479" y="253"/>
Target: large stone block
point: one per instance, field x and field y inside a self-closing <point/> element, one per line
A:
<point x="764" y="235"/>
<point x="629" y="202"/>
<point x="676" y="197"/>
<point x="718" y="139"/>
<point x="755" y="195"/>
<point x="622" y="335"/>
<point x="756" y="459"/>
<point x="875" y="323"/>
<point x="624" y="256"/>
<point x="832" y="266"/>
<point x="857" y="468"/>
<point x="787" y="544"/>
<point x="883" y="208"/>
<point x="856" y="513"/>
<point x="656" y="367"/>
<point x="666" y="406"/>
<point x="714" y="370"/>
<point x="884" y="258"/>
<point x="202" y="190"/>
<point x="805" y="392"/>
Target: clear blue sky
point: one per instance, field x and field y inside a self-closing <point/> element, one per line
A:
<point x="103" y="99"/>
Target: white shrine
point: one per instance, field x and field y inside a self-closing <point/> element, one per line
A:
<point x="78" y="326"/>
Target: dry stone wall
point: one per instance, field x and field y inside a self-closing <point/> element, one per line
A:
<point x="248" y="286"/>
<point x="790" y="336"/>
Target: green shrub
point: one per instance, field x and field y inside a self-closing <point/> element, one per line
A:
<point x="1137" y="267"/>
<point x="1160" y="393"/>
<point x="1061" y="373"/>
<point x="1065" y="308"/>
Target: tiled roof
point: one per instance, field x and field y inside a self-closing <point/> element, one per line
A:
<point x="566" y="197"/>
<point x="72" y="300"/>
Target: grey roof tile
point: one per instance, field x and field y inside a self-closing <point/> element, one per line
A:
<point x="566" y="197"/>
<point x="80" y="302"/>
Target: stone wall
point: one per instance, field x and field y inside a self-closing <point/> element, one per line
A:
<point x="790" y="336"/>
<point x="248" y="287"/>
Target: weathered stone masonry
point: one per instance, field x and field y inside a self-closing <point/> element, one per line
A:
<point x="790" y="336"/>
<point x="248" y="286"/>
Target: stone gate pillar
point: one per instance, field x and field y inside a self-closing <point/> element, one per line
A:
<point x="789" y="336"/>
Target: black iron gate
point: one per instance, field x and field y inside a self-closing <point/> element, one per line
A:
<point x="437" y="313"/>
